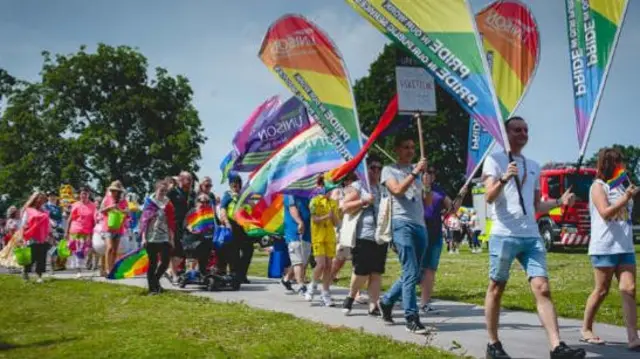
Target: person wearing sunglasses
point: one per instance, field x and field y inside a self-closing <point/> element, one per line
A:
<point x="515" y="234"/>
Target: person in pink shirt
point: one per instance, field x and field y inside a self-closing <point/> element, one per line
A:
<point x="80" y="228"/>
<point x="113" y="203"/>
<point x="35" y="231"/>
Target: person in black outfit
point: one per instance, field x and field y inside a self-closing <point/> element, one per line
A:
<point x="183" y="200"/>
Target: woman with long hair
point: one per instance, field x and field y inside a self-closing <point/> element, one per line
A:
<point x="611" y="246"/>
<point x="35" y="232"/>
<point x="113" y="203"/>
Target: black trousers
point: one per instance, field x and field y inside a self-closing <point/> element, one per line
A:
<point x="38" y="257"/>
<point x="156" y="270"/>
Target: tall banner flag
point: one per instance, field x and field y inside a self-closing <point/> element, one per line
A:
<point x="512" y="46"/>
<point x="306" y="60"/>
<point x="593" y="28"/>
<point x="479" y="142"/>
<point x="442" y="36"/>
<point x="283" y="124"/>
<point x="308" y="154"/>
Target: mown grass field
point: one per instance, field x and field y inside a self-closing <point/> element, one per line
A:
<point x="464" y="278"/>
<point x="80" y="319"/>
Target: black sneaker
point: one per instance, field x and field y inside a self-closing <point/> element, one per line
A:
<point x="347" y="305"/>
<point x="375" y="312"/>
<point x="495" y="351"/>
<point x="563" y="351"/>
<point x="286" y="284"/>
<point x="414" y="326"/>
<point x="302" y="290"/>
<point x="386" y="312"/>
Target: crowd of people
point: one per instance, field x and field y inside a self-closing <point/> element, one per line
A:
<point x="402" y="208"/>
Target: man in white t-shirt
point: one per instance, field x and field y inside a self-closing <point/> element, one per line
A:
<point x="514" y="234"/>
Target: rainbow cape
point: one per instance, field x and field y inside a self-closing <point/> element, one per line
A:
<point x="132" y="264"/>
<point x="619" y="177"/>
<point x="200" y="221"/>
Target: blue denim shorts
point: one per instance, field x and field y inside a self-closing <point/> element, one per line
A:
<point x="530" y="252"/>
<point x="434" y="249"/>
<point x="613" y="260"/>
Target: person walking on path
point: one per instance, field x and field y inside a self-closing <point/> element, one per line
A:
<point x="403" y="183"/>
<point x="611" y="246"/>
<point x="35" y="234"/>
<point x="514" y="234"/>
<point x="115" y="205"/>
<point x="368" y="257"/>
<point x="434" y="205"/>
<point x="297" y="234"/>
<point x="158" y="228"/>
<point x="183" y="200"/>
<point x="80" y="228"/>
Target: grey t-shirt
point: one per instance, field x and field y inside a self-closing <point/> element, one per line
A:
<point x="158" y="229"/>
<point x="366" y="228"/>
<point x="408" y="207"/>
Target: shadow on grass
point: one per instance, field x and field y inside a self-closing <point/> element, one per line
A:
<point x="44" y="343"/>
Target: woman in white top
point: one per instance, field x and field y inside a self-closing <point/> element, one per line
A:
<point x="611" y="247"/>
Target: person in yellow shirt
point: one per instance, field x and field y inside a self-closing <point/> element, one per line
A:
<point x="325" y="216"/>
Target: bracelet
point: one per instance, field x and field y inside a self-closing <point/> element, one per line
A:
<point x="502" y="180"/>
<point x="415" y="175"/>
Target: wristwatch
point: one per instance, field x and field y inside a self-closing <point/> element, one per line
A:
<point x="415" y="175"/>
<point x="502" y="180"/>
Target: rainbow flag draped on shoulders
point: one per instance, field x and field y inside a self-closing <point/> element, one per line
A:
<point x="130" y="265"/>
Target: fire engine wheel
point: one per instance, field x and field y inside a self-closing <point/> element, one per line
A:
<point x="547" y="236"/>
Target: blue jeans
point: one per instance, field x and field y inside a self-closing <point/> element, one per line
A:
<point x="410" y="240"/>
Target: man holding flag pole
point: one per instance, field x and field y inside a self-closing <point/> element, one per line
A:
<point x="514" y="234"/>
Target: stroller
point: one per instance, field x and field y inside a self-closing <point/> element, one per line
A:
<point x="200" y="247"/>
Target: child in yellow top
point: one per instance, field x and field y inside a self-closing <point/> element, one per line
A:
<point x="325" y="216"/>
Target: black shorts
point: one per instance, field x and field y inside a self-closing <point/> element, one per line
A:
<point x="457" y="236"/>
<point x="368" y="257"/>
<point x="177" y="250"/>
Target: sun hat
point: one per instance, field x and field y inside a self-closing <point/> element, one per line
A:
<point x="116" y="186"/>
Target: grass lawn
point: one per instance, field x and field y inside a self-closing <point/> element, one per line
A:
<point x="81" y="319"/>
<point x="464" y="278"/>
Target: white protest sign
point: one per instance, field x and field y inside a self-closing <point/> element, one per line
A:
<point x="416" y="88"/>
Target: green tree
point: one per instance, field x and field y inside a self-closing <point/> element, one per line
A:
<point x="445" y="134"/>
<point x="96" y="117"/>
<point x="631" y="156"/>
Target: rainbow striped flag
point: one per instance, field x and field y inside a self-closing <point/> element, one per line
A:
<point x="263" y="218"/>
<point x="309" y="64"/>
<point x="593" y="28"/>
<point x="291" y="168"/>
<point x="130" y="265"/>
<point x="618" y="178"/>
<point x="442" y="35"/>
<point x="200" y="221"/>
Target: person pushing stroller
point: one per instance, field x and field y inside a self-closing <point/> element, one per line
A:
<point x="197" y="241"/>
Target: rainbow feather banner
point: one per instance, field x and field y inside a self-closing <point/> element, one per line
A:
<point x="200" y="221"/>
<point x="130" y="265"/>
<point x="511" y="43"/>
<point x="309" y="64"/>
<point x="619" y="177"/>
<point x="442" y="36"/>
<point x="593" y="27"/>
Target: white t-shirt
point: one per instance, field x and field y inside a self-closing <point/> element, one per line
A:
<point x="507" y="216"/>
<point x="614" y="236"/>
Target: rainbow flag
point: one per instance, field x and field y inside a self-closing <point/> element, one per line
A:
<point x="511" y="43"/>
<point x="263" y="218"/>
<point x="309" y="64"/>
<point x="200" y="221"/>
<point x="593" y="28"/>
<point x="309" y="153"/>
<point x="442" y="36"/>
<point x="130" y="265"/>
<point x="619" y="177"/>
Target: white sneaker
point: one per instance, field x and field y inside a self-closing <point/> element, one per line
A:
<point x="78" y="275"/>
<point x="326" y="300"/>
<point x="363" y="298"/>
<point x="308" y="296"/>
<point x="39" y="280"/>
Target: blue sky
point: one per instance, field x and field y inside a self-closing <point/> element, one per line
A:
<point x="215" y="44"/>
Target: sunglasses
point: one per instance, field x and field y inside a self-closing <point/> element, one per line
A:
<point x="520" y="130"/>
<point x="207" y="185"/>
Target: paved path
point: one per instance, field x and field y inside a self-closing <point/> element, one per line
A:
<point x="460" y="327"/>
